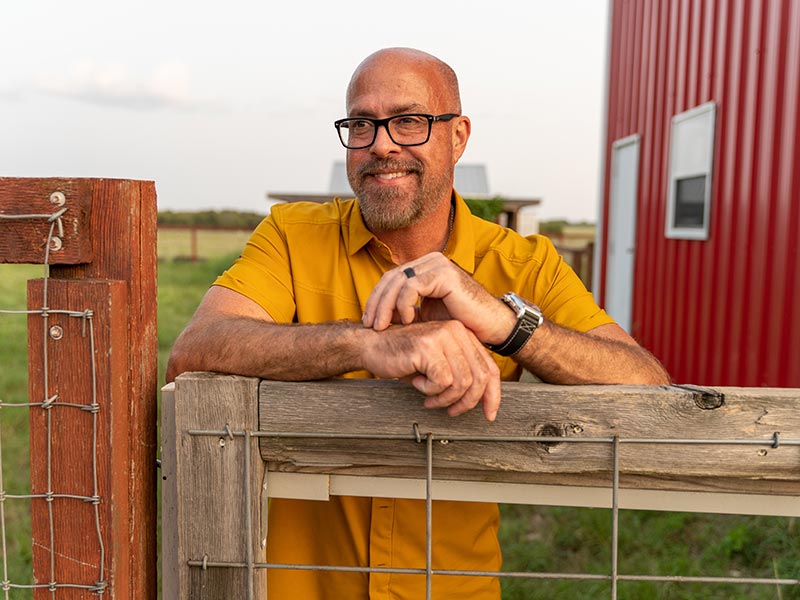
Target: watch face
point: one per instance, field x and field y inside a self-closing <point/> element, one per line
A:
<point x="521" y="306"/>
<point x="516" y="303"/>
<point x="529" y="317"/>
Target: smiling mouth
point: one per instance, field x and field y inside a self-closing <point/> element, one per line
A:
<point x="388" y="176"/>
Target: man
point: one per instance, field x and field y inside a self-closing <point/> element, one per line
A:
<point x="401" y="283"/>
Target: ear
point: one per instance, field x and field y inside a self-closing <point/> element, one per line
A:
<point x="461" y="133"/>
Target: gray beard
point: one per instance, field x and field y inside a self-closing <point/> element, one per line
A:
<point x="381" y="209"/>
<point x="380" y="212"/>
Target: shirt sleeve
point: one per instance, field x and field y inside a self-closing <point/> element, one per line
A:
<point x="263" y="271"/>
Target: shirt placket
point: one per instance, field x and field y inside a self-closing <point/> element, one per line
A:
<point x="380" y="545"/>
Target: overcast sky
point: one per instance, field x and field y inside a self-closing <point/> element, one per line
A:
<point x="220" y="103"/>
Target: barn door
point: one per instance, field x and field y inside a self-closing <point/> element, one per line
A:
<point x="622" y="230"/>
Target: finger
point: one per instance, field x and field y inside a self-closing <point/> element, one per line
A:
<point x="480" y="379"/>
<point x="397" y="293"/>
<point x="427" y="287"/>
<point x="491" y="399"/>
<point x="374" y="298"/>
<point x="485" y="386"/>
<point x="376" y="313"/>
<point x="491" y="394"/>
<point x="383" y="301"/>
<point x="388" y="302"/>
<point x="463" y="390"/>
<point x="434" y="378"/>
<point x="407" y="301"/>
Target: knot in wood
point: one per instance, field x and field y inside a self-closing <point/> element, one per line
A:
<point x="549" y="430"/>
<point x="705" y="398"/>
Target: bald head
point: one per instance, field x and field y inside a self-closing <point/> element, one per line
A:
<point x="403" y="60"/>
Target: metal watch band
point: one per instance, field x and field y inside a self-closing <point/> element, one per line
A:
<point x="529" y="317"/>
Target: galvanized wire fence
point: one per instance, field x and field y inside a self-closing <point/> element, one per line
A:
<point x="206" y="560"/>
<point x="51" y="402"/>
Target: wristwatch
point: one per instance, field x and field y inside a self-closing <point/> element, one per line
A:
<point x="529" y="317"/>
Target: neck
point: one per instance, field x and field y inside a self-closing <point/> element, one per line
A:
<point x="431" y="235"/>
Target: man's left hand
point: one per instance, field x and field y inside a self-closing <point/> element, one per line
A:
<point x="437" y="289"/>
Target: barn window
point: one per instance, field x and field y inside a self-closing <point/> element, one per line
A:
<point x="691" y="161"/>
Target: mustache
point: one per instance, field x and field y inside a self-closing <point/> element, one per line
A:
<point x="377" y="166"/>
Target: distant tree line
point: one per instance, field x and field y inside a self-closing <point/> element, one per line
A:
<point x="556" y="226"/>
<point x="211" y="218"/>
<point x="485" y="208"/>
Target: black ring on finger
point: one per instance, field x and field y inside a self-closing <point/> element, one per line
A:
<point x="409" y="272"/>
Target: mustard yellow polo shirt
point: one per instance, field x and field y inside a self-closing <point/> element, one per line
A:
<point x="310" y="263"/>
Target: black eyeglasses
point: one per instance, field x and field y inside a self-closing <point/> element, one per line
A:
<point x="412" y="129"/>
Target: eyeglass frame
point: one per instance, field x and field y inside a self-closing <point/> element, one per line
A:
<point x="376" y="123"/>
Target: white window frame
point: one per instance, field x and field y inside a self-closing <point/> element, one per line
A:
<point x="701" y="164"/>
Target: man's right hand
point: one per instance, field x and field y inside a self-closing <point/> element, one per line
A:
<point x="442" y="359"/>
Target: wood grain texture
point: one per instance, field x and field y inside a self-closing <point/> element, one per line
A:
<point x="69" y="365"/>
<point x="123" y="227"/>
<point x="205" y="487"/>
<point x="570" y="412"/>
<point x="109" y="234"/>
<point x="24" y="241"/>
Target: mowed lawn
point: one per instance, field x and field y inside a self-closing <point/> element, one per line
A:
<point x="551" y="539"/>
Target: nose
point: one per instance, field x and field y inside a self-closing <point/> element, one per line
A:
<point x="383" y="145"/>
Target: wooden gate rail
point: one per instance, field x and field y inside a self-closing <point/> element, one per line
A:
<point x="730" y="450"/>
<point x="103" y="259"/>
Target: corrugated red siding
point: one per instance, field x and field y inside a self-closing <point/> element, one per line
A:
<point x="725" y="311"/>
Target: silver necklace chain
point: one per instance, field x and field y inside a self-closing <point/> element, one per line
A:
<point x="450" y="220"/>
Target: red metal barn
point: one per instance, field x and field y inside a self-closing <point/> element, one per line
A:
<point x="698" y="253"/>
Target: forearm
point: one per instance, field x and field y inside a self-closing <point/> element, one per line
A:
<point x="252" y="347"/>
<point x="560" y="355"/>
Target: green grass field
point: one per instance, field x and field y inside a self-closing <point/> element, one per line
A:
<point x="533" y="538"/>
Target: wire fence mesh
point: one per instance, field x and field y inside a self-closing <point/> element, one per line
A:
<point x="613" y="577"/>
<point x="50" y="404"/>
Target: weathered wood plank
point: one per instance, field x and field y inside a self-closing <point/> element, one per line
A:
<point x="24" y="240"/>
<point x="574" y="413"/>
<point x="123" y="220"/>
<point x="77" y="550"/>
<point x="206" y="485"/>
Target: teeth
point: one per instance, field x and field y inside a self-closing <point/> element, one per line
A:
<point x="389" y="175"/>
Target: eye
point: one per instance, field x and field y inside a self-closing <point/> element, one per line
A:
<point x="410" y="121"/>
<point x="359" y="124"/>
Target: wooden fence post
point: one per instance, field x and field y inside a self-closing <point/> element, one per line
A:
<point x="106" y="231"/>
<point x="207" y="483"/>
<point x="68" y="440"/>
<point x="123" y="228"/>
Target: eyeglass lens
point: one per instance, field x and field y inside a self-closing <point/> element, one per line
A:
<point x="403" y="130"/>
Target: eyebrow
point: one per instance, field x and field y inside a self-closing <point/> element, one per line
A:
<point x="396" y="110"/>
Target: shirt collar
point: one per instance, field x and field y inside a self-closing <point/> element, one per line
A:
<point x="358" y="235"/>
<point x="461" y="246"/>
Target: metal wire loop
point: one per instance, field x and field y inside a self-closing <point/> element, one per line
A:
<point x="416" y="433"/>
<point x="48" y="403"/>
